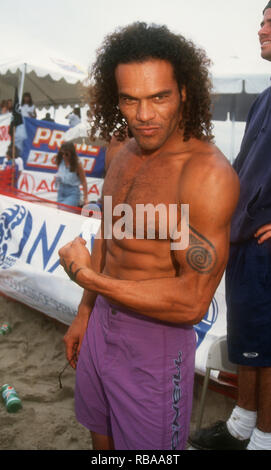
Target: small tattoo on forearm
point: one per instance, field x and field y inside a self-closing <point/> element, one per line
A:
<point x="201" y="255"/>
<point x="72" y="275"/>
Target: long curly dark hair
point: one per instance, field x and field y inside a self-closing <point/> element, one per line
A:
<point x="139" y="42"/>
<point x="74" y="161"/>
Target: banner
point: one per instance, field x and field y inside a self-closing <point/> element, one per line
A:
<point x="42" y="184"/>
<point x="43" y="141"/>
<point x="4" y="135"/>
<point x="211" y="327"/>
<point x="31" y="235"/>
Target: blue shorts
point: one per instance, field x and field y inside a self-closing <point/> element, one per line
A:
<point x="248" y="298"/>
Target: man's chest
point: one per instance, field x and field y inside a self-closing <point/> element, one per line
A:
<point x="148" y="183"/>
<point x="145" y="195"/>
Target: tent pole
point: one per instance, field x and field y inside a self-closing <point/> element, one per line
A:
<point x="233" y="120"/>
<point x="13" y="158"/>
<point x="232" y="137"/>
<point x="21" y="85"/>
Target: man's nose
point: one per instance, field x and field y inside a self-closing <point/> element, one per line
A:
<point x="145" y="111"/>
<point x="262" y="30"/>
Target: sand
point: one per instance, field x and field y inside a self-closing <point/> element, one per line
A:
<point x="32" y="356"/>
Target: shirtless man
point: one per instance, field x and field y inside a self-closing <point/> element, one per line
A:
<point x="134" y="384"/>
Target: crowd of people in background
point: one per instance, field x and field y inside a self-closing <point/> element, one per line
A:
<point x="28" y="109"/>
<point x="6" y="106"/>
<point x="74" y="117"/>
<point x="12" y="167"/>
<point x="70" y="174"/>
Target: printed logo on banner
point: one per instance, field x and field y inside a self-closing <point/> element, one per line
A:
<point x="44" y="140"/>
<point x="16" y="226"/>
<point x="41" y="183"/>
<point x="207" y="322"/>
<point x="13" y="219"/>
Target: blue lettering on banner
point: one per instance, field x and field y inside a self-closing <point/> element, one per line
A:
<point x="26" y="233"/>
<point x="57" y="263"/>
<point x="53" y="268"/>
<point x="10" y="220"/>
<point x="207" y="322"/>
<point x="16" y="224"/>
<point x="40" y="298"/>
<point x="46" y="252"/>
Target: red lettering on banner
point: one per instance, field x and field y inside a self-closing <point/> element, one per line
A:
<point x="27" y="183"/>
<point x="37" y="154"/>
<point x="89" y="164"/>
<point x="87" y="149"/>
<point x="43" y="186"/>
<point x="56" y="139"/>
<point x="94" y="190"/>
<point x="53" y="186"/>
<point x="41" y="159"/>
<point x="42" y="136"/>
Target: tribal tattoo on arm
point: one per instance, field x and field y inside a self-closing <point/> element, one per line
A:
<point x="72" y="275"/>
<point x="201" y="254"/>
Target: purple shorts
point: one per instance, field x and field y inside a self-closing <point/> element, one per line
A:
<point x="134" y="379"/>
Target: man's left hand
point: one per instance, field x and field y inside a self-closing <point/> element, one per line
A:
<point x="263" y="233"/>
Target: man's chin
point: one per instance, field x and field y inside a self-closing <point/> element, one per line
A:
<point x="266" y="55"/>
<point x="148" y="144"/>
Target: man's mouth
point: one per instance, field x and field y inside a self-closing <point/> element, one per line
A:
<point x="147" y="130"/>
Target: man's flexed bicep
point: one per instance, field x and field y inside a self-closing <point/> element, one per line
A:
<point x="203" y="261"/>
<point x="201" y="255"/>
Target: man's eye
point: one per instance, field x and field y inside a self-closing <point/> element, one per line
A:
<point x="159" y="98"/>
<point x="128" y="100"/>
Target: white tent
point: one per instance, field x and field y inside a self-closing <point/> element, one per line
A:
<point x="235" y="75"/>
<point x="236" y="84"/>
<point x="51" y="81"/>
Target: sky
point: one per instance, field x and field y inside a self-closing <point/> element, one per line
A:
<point x="74" y="29"/>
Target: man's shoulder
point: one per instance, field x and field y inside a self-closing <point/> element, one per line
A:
<point x="260" y="103"/>
<point x="115" y="149"/>
<point x="206" y="159"/>
<point x="208" y="173"/>
<point x="265" y="93"/>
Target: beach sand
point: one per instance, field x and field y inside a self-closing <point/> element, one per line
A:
<point x="32" y="356"/>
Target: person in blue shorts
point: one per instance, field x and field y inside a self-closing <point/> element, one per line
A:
<point x="248" y="284"/>
<point x="70" y="175"/>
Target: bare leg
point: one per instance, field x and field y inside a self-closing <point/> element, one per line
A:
<point x="264" y="402"/>
<point x="101" y="442"/>
<point x="248" y="388"/>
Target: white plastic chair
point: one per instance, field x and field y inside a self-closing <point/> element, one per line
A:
<point x="217" y="359"/>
